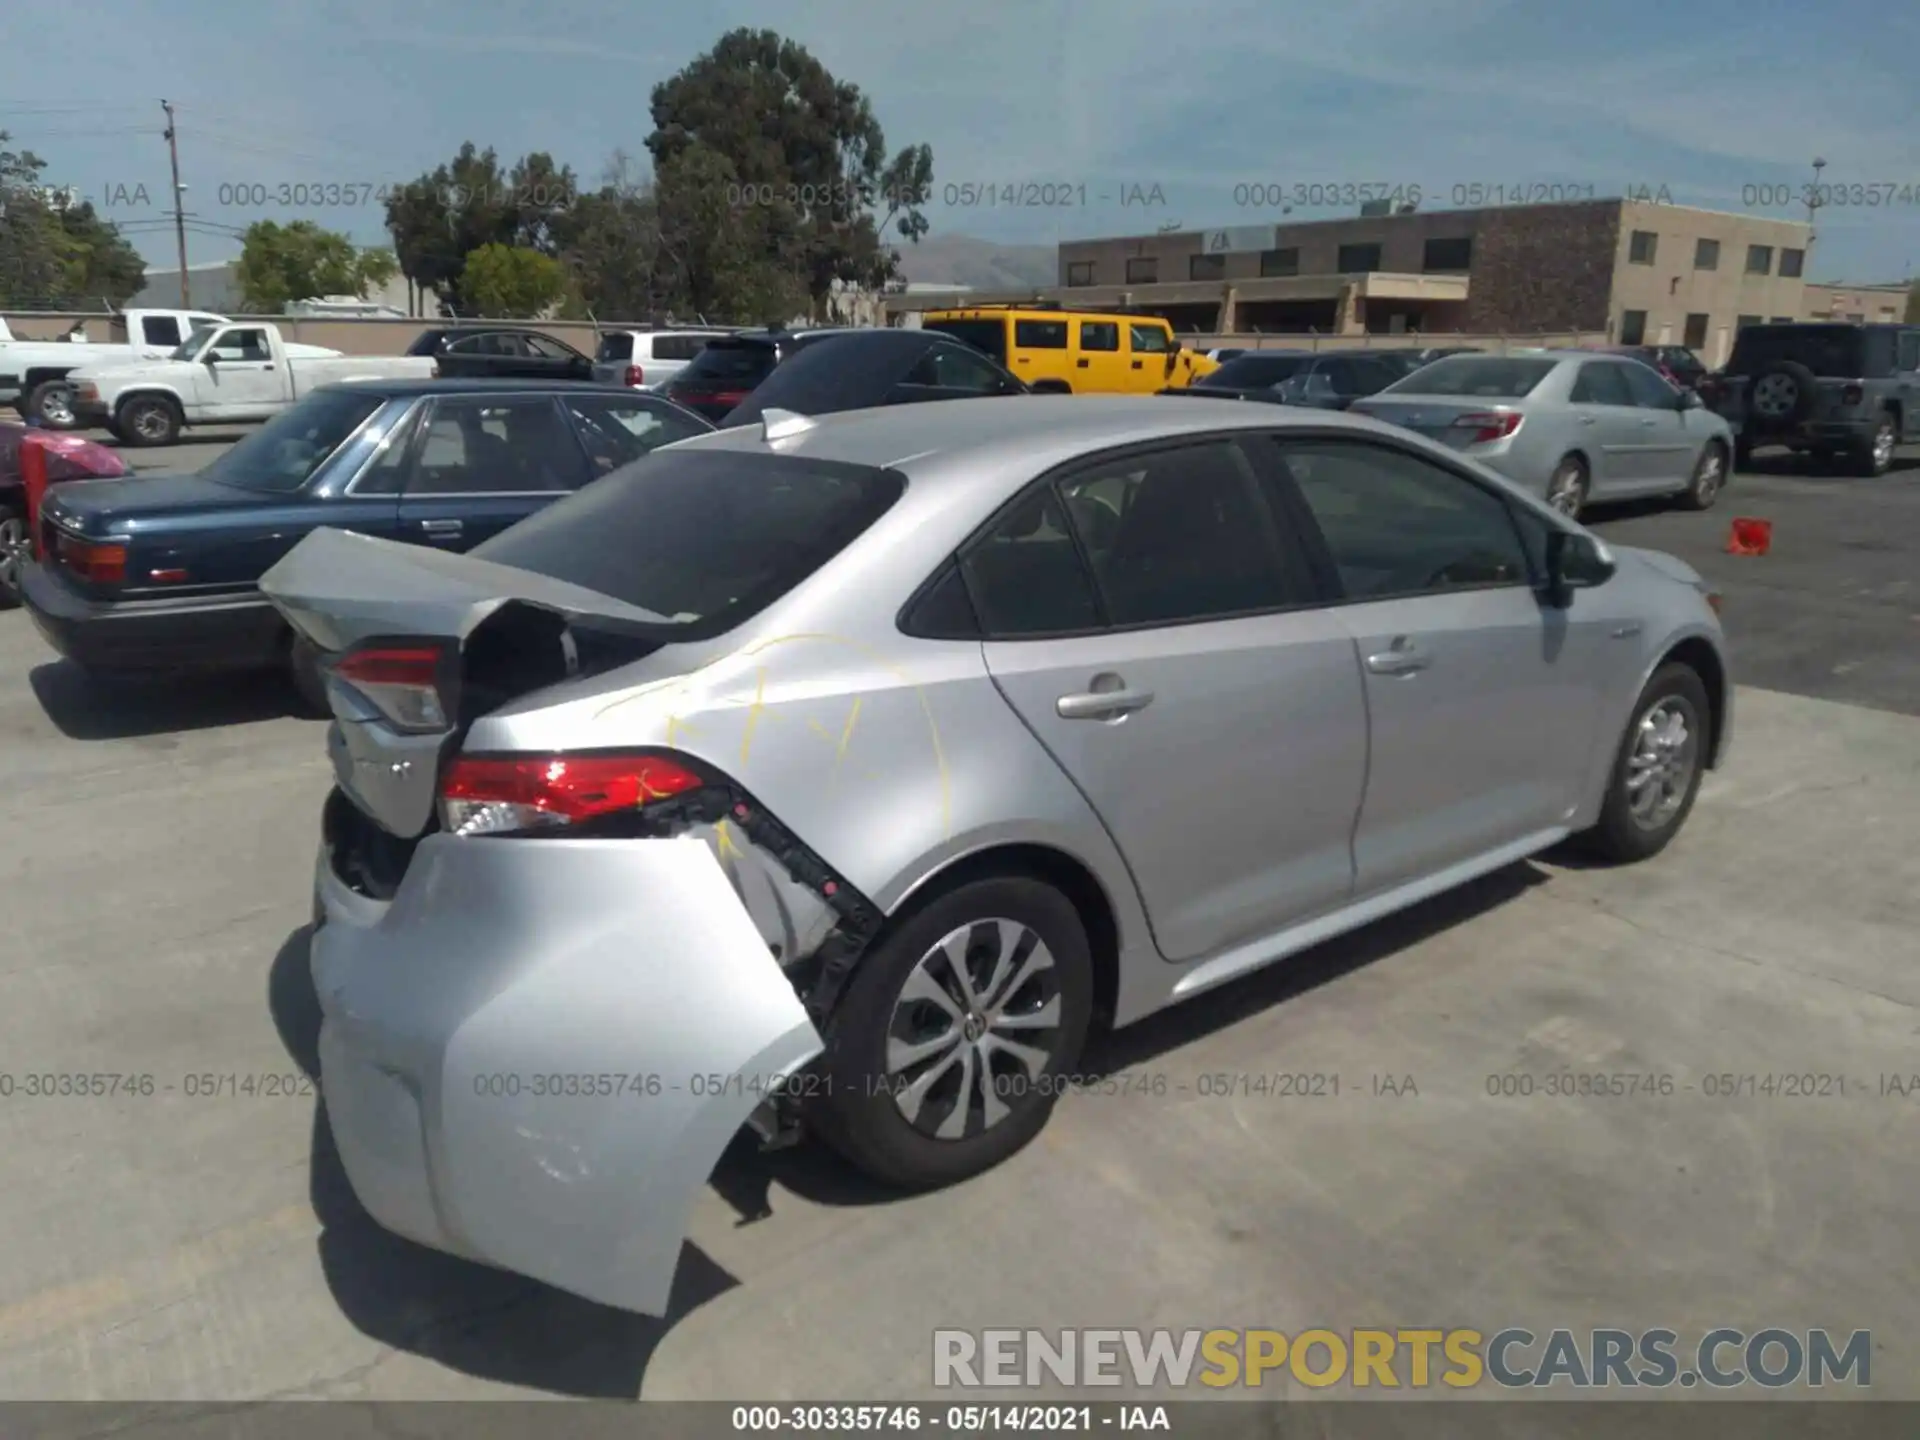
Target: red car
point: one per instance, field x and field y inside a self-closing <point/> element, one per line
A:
<point x="68" y="458"/>
<point x="1679" y="365"/>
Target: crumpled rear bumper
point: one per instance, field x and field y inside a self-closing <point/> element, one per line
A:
<point x="534" y="1055"/>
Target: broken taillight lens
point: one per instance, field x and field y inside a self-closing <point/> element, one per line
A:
<point x="402" y="682"/>
<point x="507" y="794"/>
<point x="1490" y="426"/>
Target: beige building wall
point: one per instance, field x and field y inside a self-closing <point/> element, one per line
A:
<point x="1860" y="304"/>
<point x="1681" y="291"/>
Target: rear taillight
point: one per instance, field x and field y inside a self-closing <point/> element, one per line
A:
<point x="1490" y="426"/>
<point x="636" y="377"/>
<point x="95" y="563"/>
<point x="726" y="397"/>
<point x="505" y="794"/>
<point x="402" y="682"/>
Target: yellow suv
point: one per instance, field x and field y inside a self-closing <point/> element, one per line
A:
<point x="1076" y="351"/>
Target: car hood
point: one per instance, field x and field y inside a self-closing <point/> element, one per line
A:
<point x="94" y="507"/>
<point x="1658" y="561"/>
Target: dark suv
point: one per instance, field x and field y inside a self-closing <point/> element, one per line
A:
<point x="1829" y="390"/>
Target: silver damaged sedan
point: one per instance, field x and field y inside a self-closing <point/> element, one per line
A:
<point x="845" y="773"/>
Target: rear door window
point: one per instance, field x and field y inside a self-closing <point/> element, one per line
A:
<point x="618" y="431"/>
<point x="706" y="538"/>
<point x="160" y="330"/>
<point x="1602" y="383"/>
<point x="1040" y="334"/>
<point x="508" y="445"/>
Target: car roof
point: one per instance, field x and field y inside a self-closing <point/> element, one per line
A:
<point x="407" y="385"/>
<point x="936" y="438"/>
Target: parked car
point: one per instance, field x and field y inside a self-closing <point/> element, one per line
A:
<point x="490" y="352"/>
<point x="1677" y="365"/>
<point x="1571" y="426"/>
<point x="647" y="359"/>
<point x="1076" y="352"/>
<point x="1849" y="391"/>
<point x="33" y="373"/>
<point x="69" y="457"/>
<point x="157" y="573"/>
<point x="221" y="375"/>
<point x="1409" y="360"/>
<point x="1320" y="381"/>
<point x="863" y="368"/>
<point x="728" y="369"/>
<point x="850" y="777"/>
<point x="1231" y="352"/>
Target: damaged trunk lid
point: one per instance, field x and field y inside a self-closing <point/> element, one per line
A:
<point x="416" y="643"/>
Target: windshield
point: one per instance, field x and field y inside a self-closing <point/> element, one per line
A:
<point x="283" y="454"/>
<point x="988" y="336"/>
<point x="743" y="362"/>
<point x="186" y="349"/>
<point x="1489" y="377"/>
<point x="701" y="537"/>
<point x="1832" y="350"/>
<point x="1256" y="372"/>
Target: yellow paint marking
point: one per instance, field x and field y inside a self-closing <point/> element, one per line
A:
<point x="88" y="1304"/>
<point x="846" y="735"/>
<point x="724" y="842"/>
<point x="753" y="714"/>
<point x="676" y="727"/>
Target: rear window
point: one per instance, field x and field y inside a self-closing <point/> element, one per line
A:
<point x="1491" y="377"/>
<point x="427" y="342"/>
<point x="704" y="538"/>
<point x="615" y="347"/>
<point x="283" y="454"/>
<point x="740" y="360"/>
<point x="987" y="336"/>
<point x="1834" y="350"/>
<point x="678" y="347"/>
<point x="1254" y="371"/>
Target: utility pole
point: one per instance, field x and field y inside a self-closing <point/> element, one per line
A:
<point x="179" y="216"/>
<point x="1814" y="198"/>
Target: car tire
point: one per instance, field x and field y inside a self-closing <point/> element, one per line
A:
<point x="147" y="421"/>
<point x="303" y="668"/>
<point x="863" y="1104"/>
<point x="15" y="551"/>
<point x="1623" y="835"/>
<point x="1875" y="457"/>
<point x="1567" y="486"/>
<point x="1806" y="388"/>
<point x="51" y="395"/>
<point x="1709" y="478"/>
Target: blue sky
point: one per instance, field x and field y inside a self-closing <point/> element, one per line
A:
<point x="1192" y="99"/>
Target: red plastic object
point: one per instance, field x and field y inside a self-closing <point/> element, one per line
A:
<point x="1750" y="536"/>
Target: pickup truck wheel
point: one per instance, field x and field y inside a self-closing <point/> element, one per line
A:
<point x="16" y="548"/>
<point x="148" y="421"/>
<point x="1875" y="457"/>
<point x="51" y="403"/>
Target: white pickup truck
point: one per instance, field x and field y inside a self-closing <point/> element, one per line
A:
<point x="33" y="373"/>
<point x="229" y="373"/>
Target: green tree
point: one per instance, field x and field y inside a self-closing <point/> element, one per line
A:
<point x="55" y="255"/>
<point x="99" y="264"/>
<point x="806" y="151"/>
<point x="299" y="261"/>
<point x="610" y="243"/>
<point x="471" y="202"/>
<point x="511" y="282"/>
<point x="725" y="261"/>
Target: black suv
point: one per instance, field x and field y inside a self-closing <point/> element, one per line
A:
<point x="1828" y="390"/>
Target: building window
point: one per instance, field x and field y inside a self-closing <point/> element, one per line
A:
<point x="1279" y="262"/>
<point x="1633" y="327"/>
<point x="1706" y="254"/>
<point x="1792" y="262"/>
<point x="1080" y="272"/>
<point x="1759" y="259"/>
<point x="1143" y="270"/>
<point x="1641" y="246"/>
<point x="1449" y="254"/>
<point x="1206" y="267"/>
<point x="1696" y="336"/>
<point x="1359" y="259"/>
<point x="1742" y="322"/>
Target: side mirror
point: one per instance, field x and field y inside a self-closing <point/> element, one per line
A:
<point x="212" y="357"/>
<point x="1690" y="400"/>
<point x="1574" y="562"/>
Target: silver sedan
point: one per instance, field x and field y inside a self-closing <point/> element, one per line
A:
<point x="847" y="772"/>
<point x="1571" y="426"/>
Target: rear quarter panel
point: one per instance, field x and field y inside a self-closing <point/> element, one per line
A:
<point x="231" y="550"/>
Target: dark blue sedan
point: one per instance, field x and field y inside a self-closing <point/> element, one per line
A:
<point x="160" y="572"/>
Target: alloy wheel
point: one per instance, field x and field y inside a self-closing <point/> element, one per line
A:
<point x="1883" y="446"/>
<point x="1660" y="767"/>
<point x="56" y="408"/>
<point x="15" y="549"/>
<point x="1711" y="475"/>
<point x="1775" y="395"/>
<point x="150" y="422"/>
<point x="974" y="1029"/>
<point x="1564" y="490"/>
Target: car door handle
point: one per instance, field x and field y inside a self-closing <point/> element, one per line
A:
<point x="1102" y="704"/>
<point x="1399" y="661"/>
<point x="1082" y="363"/>
<point x="1648" y="424"/>
<point x="1586" y="420"/>
<point x="1627" y="631"/>
<point x="442" y="527"/>
<point x="1136" y="364"/>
